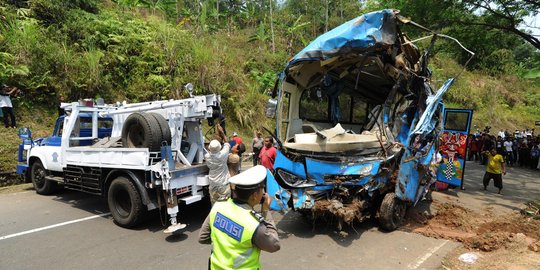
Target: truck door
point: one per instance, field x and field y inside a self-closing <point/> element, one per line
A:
<point x="453" y="146"/>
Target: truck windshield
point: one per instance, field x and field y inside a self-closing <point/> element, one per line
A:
<point x="86" y="123"/>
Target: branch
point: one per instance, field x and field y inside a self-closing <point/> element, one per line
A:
<point x="533" y="3"/>
<point x="527" y="37"/>
<point x="491" y="10"/>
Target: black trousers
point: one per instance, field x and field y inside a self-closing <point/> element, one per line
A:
<point x="497" y="180"/>
<point x="8" y="113"/>
<point x="256" y="153"/>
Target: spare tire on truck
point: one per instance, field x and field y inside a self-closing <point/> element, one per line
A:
<point x="164" y="126"/>
<point x="142" y="130"/>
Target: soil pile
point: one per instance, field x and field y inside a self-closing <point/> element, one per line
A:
<point x="481" y="231"/>
<point x="510" y="241"/>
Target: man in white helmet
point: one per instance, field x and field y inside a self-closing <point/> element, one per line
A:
<point x="216" y="160"/>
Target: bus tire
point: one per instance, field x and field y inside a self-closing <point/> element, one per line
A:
<point x="392" y="212"/>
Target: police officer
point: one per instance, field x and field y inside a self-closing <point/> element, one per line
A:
<point x="237" y="231"/>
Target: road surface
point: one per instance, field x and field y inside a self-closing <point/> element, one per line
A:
<point x="72" y="230"/>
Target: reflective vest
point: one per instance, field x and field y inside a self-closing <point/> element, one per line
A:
<point x="232" y="228"/>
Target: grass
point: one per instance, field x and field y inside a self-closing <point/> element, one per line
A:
<point x="502" y="102"/>
<point x="16" y="188"/>
<point x="39" y="120"/>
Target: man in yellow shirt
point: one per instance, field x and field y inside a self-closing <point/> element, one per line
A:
<point x="494" y="170"/>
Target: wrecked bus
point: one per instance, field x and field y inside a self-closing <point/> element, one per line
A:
<point x="358" y="124"/>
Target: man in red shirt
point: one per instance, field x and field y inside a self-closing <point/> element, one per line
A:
<point x="236" y="138"/>
<point x="267" y="156"/>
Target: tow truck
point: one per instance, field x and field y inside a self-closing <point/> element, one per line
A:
<point x="140" y="156"/>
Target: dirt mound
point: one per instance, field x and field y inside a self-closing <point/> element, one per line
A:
<point x="535" y="246"/>
<point x="480" y="231"/>
<point x="489" y="241"/>
<point x="512" y="224"/>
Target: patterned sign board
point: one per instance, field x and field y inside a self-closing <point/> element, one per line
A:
<point x="453" y="146"/>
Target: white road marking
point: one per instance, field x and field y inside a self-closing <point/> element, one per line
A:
<point x="52" y="226"/>
<point x="427" y="255"/>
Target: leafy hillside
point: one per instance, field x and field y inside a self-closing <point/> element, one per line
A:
<point x="144" y="50"/>
<point x="505" y="101"/>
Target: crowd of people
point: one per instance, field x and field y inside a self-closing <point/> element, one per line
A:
<point x="224" y="159"/>
<point x="238" y="233"/>
<point x="520" y="148"/>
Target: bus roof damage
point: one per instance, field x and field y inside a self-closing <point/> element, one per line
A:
<point x="357" y="121"/>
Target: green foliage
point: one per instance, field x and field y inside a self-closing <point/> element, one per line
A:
<point x="10" y="70"/>
<point x="265" y="80"/>
<point x="54" y="12"/>
<point x="262" y="35"/>
<point x="532" y="74"/>
<point x="140" y="50"/>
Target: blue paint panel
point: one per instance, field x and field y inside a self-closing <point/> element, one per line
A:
<point x="21" y="168"/>
<point x="375" y="29"/>
<point x="318" y="169"/>
<point x="408" y="177"/>
<point x="320" y="188"/>
<point x="300" y="199"/>
<point x="427" y="122"/>
<point x="273" y="189"/>
<point x="290" y="166"/>
<point x="229" y="227"/>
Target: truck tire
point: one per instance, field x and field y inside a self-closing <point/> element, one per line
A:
<point x="392" y="212"/>
<point x="141" y="131"/>
<point x="125" y="202"/>
<point x="164" y="126"/>
<point x="40" y="183"/>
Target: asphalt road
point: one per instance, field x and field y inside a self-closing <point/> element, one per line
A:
<point x="72" y="230"/>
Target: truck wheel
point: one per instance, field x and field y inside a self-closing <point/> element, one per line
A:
<point x="40" y="183"/>
<point x="125" y="203"/>
<point x="164" y="126"/>
<point x="141" y="131"/>
<point x="392" y="212"/>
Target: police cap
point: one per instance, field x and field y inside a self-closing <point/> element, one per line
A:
<point x="249" y="179"/>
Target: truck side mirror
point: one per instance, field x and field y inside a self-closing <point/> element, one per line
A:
<point x="189" y="88"/>
<point x="271" y="107"/>
<point x="25" y="133"/>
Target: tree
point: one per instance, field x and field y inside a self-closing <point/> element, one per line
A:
<point x="506" y="15"/>
<point x="272" y="28"/>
